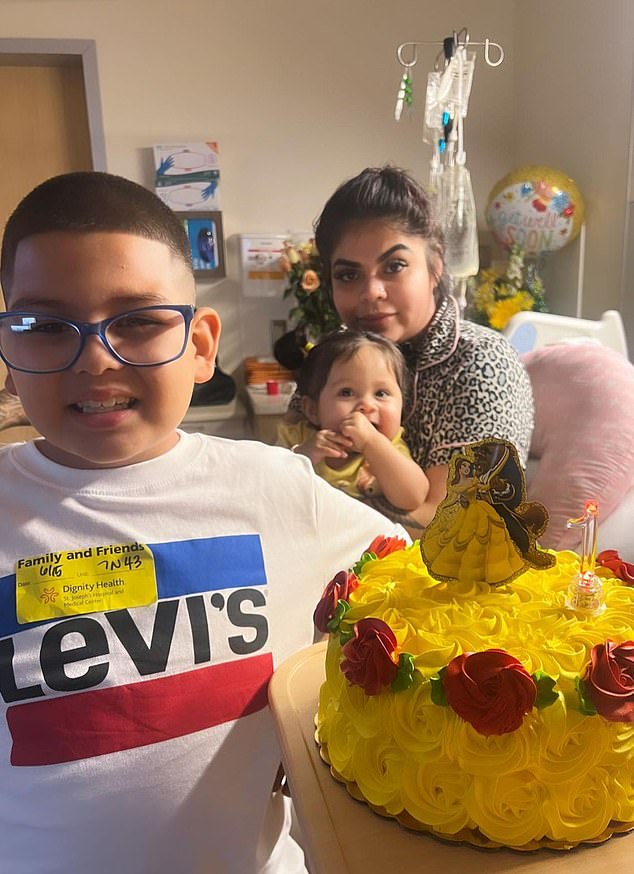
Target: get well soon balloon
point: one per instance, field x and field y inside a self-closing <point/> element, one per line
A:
<point x="539" y="208"/>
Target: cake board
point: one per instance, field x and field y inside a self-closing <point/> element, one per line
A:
<point x="344" y="836"/>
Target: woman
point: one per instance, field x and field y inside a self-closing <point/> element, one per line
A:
<point x="382" y="252"/>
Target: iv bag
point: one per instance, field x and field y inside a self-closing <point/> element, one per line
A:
<point x="454" y="85"/>
<point x="434" y="184"/>
<point x="432" y="124"/>
<point x="458" y="219"/>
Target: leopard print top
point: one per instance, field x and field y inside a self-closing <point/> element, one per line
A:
<point x="465" y="383"/>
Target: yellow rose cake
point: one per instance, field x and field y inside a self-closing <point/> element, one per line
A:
<point x="494" y="715"/>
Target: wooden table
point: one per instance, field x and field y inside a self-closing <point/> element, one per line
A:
<point x="342" y="836"/>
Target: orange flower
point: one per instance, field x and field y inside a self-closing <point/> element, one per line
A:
<point x="382" y="546"/>
<point x="310" y="281"/>
<point x="285" y="264"/>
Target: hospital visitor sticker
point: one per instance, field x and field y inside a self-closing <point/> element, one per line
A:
<point x="89" y="580"/>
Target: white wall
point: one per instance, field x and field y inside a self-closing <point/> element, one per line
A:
<point x="300" y="95"/>
<point x="573" y="107"/>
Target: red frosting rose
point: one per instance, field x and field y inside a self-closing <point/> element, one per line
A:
<point x="491" y="690"/>
<point x="338" y="589"/>
<point x="609" y="680"/>
<point x="370" y="658"/>
<point x="382" y="546"/>
<point x="611" y="559"/>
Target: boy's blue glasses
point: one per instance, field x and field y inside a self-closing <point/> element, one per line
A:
<point x="145" y="337"/>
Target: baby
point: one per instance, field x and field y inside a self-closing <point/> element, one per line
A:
<point x="351" y="396"/>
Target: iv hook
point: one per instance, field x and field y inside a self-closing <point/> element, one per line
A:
<point x="487" y="54"/>
<point x="459" y="40"/>
<point x="401" y="59"/>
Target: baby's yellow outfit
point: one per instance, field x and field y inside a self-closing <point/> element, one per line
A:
<point x="355" y="477"/>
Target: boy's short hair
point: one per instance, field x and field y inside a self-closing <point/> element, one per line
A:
<point x="342" y="345"/>
<point x="91" y="201"/>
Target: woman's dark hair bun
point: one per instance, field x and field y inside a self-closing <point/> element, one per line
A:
<point x="288" y="350"/>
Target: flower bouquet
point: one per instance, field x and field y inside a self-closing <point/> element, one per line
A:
<point x="497" y="295"/>
<point x="313" y="312"/>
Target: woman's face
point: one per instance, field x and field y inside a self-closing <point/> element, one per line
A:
<point x="381" y="281"/>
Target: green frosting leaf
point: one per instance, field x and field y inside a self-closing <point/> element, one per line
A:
<point x="367" y="556"/>
<point x="585" y="701"/>
<point x="406" y="672"/>
<point x="546" y="694"/>
<point x="340" y="611"/>
<point x="438" y="695"/>
<point x="345" y="635"/>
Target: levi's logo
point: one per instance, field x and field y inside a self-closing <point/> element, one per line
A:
<point x="194" y="659"/>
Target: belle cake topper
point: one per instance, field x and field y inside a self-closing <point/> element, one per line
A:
<point x="485" y="530"/>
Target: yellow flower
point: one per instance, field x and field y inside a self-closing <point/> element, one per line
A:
<point x="291" y="252"/>
<point x="285" y="264"/>
<point x="503" y="310"/>
<point x="303" y="251"/>
<point x="484" y="297"/>
<point x="310" y="281"/>
<point x="489" y="274"/>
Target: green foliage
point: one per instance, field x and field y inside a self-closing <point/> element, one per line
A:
<point x="313" y="311"/>
<point x="585" y="701"/>
<point x="438" y="695"/>
<point x="546" y="694"/>
<point x="496" y="296"/>
<point x="406" y="673"/>
<point x="340" y="611"/>
<point x="358" y="567"/>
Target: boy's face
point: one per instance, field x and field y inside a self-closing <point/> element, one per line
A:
<point x="101" y="413"/>
<point x="364" y="383"/>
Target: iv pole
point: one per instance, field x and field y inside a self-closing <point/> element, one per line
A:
<point x="448" y="90"/>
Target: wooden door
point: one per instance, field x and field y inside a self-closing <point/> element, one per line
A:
<point x="44" y="132"/>
<point x="44" y="128"/>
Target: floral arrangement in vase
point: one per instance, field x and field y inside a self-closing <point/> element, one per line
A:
<point x="497" y="295"/>
<point x="313" y="312"/>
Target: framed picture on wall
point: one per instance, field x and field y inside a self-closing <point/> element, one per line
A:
<point x="206" y="242"/>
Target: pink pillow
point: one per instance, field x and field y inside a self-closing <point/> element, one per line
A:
<point x="584" y="433"/>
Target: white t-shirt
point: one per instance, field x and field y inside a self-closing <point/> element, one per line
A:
<point x="139" y="739"/>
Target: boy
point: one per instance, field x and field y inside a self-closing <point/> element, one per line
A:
<point x="150" y="580"/>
